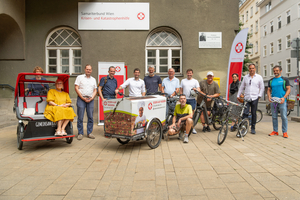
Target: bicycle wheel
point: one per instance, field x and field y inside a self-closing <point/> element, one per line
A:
<point x="259" y="115"/>
<point x="288" y="113"/>
<point x="123" y="141"/>
<point x="154" y="133"/>
<point x="244" y="127"/>
<point x="269" y="112"/>
<point x="196" y="117"/>
<point x="222" y="133"/>
<point x="217" y="122"/>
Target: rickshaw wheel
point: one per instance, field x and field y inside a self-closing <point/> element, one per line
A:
<point x="20" y="135"/>
<point x="154" y="133"/>
<point x="123" y="141"/>
<point x="69" y="140"/>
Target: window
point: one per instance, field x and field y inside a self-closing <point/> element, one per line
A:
<point x="271" y="69"/>
<point x="299" y="10"/>
<point x="251" y="29"/>
<point x="288" y="41"/>
<point x="279" y="63"/>
<point x="246" y="15"/>
<point x="256" y="64"/>
<point x="256" y="7"/>
<point x="251" y="51"/>
<point x="256" y="47"/>
<point x="279" y="22"/>
<point x="265" y="51"/>
<point x="243" y="18"/>
<point x="163" y="50"/>
<point x="288" y="65"/>
<point x="279" y="45"/>
<point x="268" y="7"/>
<point x="271" y="48"/>
<point x="251" y="11"/>
<point x="256" y="26"/>
<point x="271" y="26"/>
<point x="288" y="17"/>
<point x="265" y="71"/>
<point x="63" y="51"/>
<point x="265" y="30"/>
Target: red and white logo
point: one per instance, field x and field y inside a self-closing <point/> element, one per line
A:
<point x="118" y="69"/>
<point x="239" y="47"/>
<point x="105" y="103"/>
<point x="141" y="16"/>
<point x="150" y="106"/>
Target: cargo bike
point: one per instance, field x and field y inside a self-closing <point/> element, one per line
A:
<point x="135" y="118"/>
<point x="29" y="105"/>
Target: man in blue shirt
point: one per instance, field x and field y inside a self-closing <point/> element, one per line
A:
<point x="279" y="87"/>
<point x="109" y="85"/>
<point x="152" y="82"/>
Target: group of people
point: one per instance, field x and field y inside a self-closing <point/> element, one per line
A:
<point x="252" y="87"/>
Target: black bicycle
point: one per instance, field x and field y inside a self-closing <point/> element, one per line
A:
<point x="215" y="118"/>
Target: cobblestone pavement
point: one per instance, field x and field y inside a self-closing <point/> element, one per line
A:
<point x="261" y="167"/>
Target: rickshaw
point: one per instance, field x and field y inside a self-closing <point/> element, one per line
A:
<point x="135" y="118"/>
<point x="29" y="105"/>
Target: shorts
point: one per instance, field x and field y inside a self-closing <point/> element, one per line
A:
<point x="192" y="102"/>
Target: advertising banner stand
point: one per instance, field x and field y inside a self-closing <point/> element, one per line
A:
<point x="236" y="58"/>
<point x="119" y="75"/>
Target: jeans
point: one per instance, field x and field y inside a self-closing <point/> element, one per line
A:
<point x="192" y="102"/>
<point x="283" y="113"/>
<point x="253" y="105"/>
<point x="109" y="97"/>
<point x="81" y="106"/>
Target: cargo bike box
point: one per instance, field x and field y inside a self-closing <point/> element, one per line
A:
<point x="133" y="118"/>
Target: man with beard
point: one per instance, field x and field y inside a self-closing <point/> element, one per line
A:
<point x="152" y="81"/>
<point x="279" y="87"/>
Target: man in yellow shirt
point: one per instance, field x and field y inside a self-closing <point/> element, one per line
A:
<point x="183" y="115"/>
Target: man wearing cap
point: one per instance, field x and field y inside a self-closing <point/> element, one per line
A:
<point x="253" y="84"/>
<point x="187" y="85"/>
<point x="211" y="89"/>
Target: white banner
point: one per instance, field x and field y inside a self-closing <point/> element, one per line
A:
<point x="236" y="59"/>
<point x="113" y="16"/>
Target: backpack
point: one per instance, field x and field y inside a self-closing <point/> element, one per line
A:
<point x="105" y="81"/>
<point x="219" y="107"/>
<point x="284" y="82"/>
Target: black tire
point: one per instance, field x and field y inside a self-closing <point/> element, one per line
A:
<point x="244" y="127"/>
<point x="20" y="135"/>
<point x="69" y="140"/>
<point x="154" y="133"/>
<point x="288" y="113"/>
<point x="196" y="117"/>
<point x="123" y="141"/>
<point x="222" y="133"/>
<point x="269" y="112"/>
<point x="259" y="115"/>
<point x="191" y="130"/>
<point x="217" y="122"/>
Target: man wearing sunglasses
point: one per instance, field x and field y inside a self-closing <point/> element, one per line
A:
<point x="253" y="88"/>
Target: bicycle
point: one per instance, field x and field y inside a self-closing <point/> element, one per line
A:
<point x="259" y="114"/>
<point x="214" y="119"/>
<point x="241" y="124"/>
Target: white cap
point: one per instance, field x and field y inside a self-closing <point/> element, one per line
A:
<point x="210" y="73"/>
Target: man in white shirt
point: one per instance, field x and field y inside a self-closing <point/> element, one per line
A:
<point x="253" y="88"/>
<point x="136" y="85"/>
<point x="86" y="89"/>
<point x="187" y="85"/>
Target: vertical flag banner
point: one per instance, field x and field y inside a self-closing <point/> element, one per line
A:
<point x="102" y="72"/>
<point x="236" y="58"/>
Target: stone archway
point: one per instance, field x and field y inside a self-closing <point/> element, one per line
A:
<point x="11" y="39"/>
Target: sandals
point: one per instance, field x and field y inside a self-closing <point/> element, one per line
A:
<point x="64" y="133"/>
<point x="58" y="133"/>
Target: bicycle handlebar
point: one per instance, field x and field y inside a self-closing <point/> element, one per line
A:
<point x="121" y="94"/>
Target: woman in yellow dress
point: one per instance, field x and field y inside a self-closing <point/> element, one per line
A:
<point x="58" y="108"/>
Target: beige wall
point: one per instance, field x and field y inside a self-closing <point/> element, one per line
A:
<point x="188" y="18"/>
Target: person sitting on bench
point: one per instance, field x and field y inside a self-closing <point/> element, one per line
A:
<point x="58" y="108"/>
<point x="183" y="115"/>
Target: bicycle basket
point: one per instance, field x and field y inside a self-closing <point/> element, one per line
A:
<point x="219" y="107"/>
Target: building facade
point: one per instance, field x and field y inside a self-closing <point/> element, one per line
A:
<point x="279" y="25"/>
<point x="249" y="15"/>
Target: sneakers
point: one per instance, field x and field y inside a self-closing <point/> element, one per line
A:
<point x="186" y="139"/>
<point x="194" y="131"/>
<point x="253" y="131"/>
<point x="80" y="136"/>
<point x="204" y="129"/>
<point x="232" y="129"/>
<point x="208" y="129"/>
<point x="91" y="136"/>
<point x="275" y="133"/>
<point x="285" y="135"/>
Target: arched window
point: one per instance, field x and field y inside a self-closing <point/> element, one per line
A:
<point x="164" y="50"/>
<point x="63" y="51"/>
